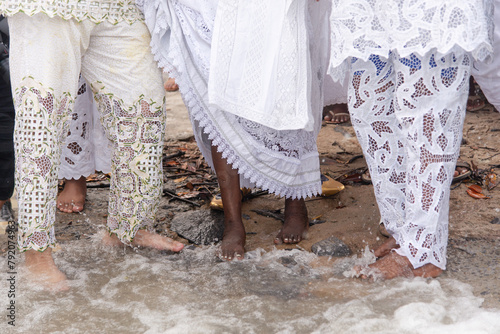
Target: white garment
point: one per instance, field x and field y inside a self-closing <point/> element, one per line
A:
<point x="487" y="74"/>
<point x="361" y="28"/>
<point x="284" y="162"/>
<point x="96" y="11"/>
<point x="86" y="148"/>
<point x="47" y="56"/>
<point x="408" y="115"/>
<point x="259" y="66"/>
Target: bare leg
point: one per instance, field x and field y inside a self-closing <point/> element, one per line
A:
<point x="233" y="240"/>
<point x="394" y="265"/>
<point x="72" y="197"/>
<point x="145" y="238"/>
<point x="296" y="222"/>
<point x="2" y="202"/>
<point x="43" y="270"/>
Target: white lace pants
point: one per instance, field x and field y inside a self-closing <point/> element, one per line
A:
<point x="47" y="55"/>
<point x="86" y="149"/>
<point x="408" y="114"/>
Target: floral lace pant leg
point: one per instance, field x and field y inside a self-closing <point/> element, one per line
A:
<point x="408" y="114"/>
<point x="131" y="104"/>
<point x="43" y="96"/>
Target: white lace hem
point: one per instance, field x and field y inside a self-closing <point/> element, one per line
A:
<point x="169" y="52"/>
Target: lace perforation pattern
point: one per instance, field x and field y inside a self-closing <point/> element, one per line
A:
<point x="361" y="28"/>
<point x="412" y="150"/>
<point x="137" y="133"/>
<point x="97" y="11"/>
<point x="265" y="158"/>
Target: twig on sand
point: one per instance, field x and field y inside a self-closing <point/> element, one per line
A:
<point x="174" y="196"/>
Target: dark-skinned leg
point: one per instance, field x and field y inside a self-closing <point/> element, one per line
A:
<point x="233" y="240"/>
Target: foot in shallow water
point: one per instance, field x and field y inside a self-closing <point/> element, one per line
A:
<point x="394" y="265"/>
<point x="72" y="197"/>
<point x="43" y="271"/>
<point x="145" y="238"/>
<point x="233" y="241"/>
<point x="296" y="223"/>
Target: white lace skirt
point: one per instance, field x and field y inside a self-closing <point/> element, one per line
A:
<point x="284" y="162"/>
<point x="86" y="148"/>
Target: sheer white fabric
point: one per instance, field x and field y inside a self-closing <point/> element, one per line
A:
<point x="335" y="92"/>
<point x="259" y="65"/>
<point x="408" y="114"/>
<point x="284" y="162"/>
<point x="96" y="11"/>
<point x="361" y="28"/>
<point x="86" y="149"/>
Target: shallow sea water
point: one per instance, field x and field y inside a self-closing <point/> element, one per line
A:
<point x="144" y="291"/>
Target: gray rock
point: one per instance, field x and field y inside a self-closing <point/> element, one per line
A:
<point x="495" y="220"/>
<point x="201" y="227"/>
<point x="331" y="247"/>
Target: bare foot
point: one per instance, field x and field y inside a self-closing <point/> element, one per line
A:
<point x="386" y="247"/>
<point x="233" y="241"/>
<point x="145" y="238"/>
<point x="296" y="222"/>
<point x="336" y="114"/>
<point x="43" y="270"/>
<point x="170" y="85"/>
<point x="394" y="265"/>
<point x="72" y="197"/>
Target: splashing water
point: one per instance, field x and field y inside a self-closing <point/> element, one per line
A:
<point x="144" y="291"/>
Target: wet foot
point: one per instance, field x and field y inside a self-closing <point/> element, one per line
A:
<point x="296" y="223"/>
<point x="336" y="114"/>
<point x="394" y="265"/>
<point x="44" y="272"/>
<point x="170" y="85"/>
<point x="72" y="197"/>
<point x="233" y="242"/>
<point x="386" y="248"/>
<point x="145" y="238"/>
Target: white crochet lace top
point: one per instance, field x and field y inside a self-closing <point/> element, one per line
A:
<point x="364" y="27"/>
<point x="97" y="11"/>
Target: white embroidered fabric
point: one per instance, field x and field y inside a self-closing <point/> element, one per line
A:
<point x="86" y="148"/>
<point x="133" y="116"/>
<point x="97" y="11"/>
<point x="259" y="65"/>
<point x="361" y="28"/>
<point x="408" y="114"/>
<point x="284" y="162"/>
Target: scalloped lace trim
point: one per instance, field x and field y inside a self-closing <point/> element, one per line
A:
<point x="97" y="11"/>
<point x="158" y="19"/>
